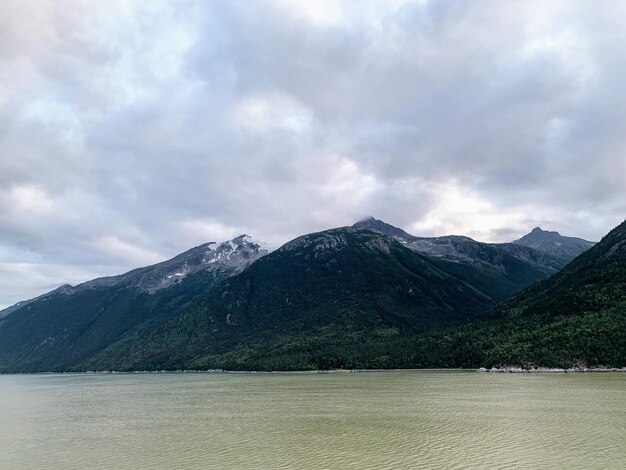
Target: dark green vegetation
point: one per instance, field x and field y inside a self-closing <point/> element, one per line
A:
<point x="577" y="317"/>
<point x="500" y="283"/>
<point x="60" y="330"/>
<point x="57" y="333"/>
<point x="343" y="298"/>
<point x="342" y="288"/>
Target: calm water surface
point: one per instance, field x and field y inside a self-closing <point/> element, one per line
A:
<point x="313" y="421"/>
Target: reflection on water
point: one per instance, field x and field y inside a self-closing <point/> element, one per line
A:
<point x="311" y="421"/>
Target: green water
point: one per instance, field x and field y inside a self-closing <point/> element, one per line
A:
<point x="313" y="421"/>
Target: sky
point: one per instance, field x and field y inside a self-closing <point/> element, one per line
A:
<point x="131" y="131"/>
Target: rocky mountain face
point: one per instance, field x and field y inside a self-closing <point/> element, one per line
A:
<point x="222" y="259"/>
<point x="461" y="248"/>
<point x="228" y="257"/>
<point x="499" y="269"/>
<point x="341" y="288"/>
<point x="58" y="329"/>
<point x="554" y="243"/>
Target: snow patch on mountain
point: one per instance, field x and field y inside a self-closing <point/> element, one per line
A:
<point x="229" y="257"/>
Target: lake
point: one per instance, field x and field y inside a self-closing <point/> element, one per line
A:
<point x="408" y="419"/>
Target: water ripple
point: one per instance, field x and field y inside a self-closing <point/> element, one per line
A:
<point x="391" y="420"/>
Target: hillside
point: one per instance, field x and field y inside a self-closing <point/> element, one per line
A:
<point x="57" y="330"/>
<point x="577" y="317"/>
<point x="339" y="289"/>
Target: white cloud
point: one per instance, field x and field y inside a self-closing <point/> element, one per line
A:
<point x="29" y="201"/>
<point x="23" y="281"/>
<point x="130" y="131"/>
<point x="270" y="111"/>
<point x="124" y="251"/>
<point x="198" y="231"/>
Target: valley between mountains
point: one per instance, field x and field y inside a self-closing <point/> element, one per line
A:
<point x="366" y="296"/>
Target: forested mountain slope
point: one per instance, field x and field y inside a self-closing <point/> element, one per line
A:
<point x="339" y="289"/>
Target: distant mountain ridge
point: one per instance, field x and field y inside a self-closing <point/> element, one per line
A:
<point x="500" y="269"/>
<point x="221" y="258"/>
<point x="555" y="243"/>
<point x="457" y="247"/>
<point x="233" y="255"/>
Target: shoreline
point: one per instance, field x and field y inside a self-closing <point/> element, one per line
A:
<point x="548" y="370"/>
<point x="493" y="370"/>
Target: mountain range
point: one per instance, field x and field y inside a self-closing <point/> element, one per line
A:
<point x="370" y="295"/>
<point x="498" y="269"/>
<point x="344" y="286"/>
<point x="575" y="318"/>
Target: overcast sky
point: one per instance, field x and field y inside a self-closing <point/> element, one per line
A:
<point x="133" y="130"/>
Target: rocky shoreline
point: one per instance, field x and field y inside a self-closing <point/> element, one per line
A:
<point x="526" y="370"/>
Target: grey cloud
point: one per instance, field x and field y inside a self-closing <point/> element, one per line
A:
<point x="128" y="134"/>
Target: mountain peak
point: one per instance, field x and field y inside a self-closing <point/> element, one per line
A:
<point x="554" y="243"/>
<point x="383" y="227"/>
<point x="232" y="255"/>
<point x="540" y="231"/>
<point x="241" y="240"/>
